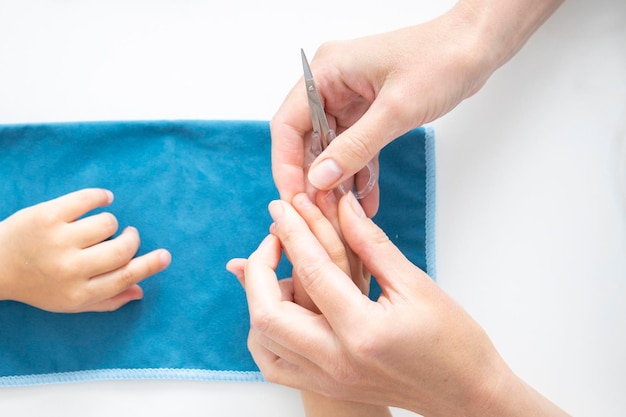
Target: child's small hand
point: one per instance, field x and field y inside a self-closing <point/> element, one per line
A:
<point x="53" y="261"/>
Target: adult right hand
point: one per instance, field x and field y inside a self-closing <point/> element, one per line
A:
<point x="378" y="87"/>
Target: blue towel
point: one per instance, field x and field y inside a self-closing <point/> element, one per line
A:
<point x="199" y="189"/>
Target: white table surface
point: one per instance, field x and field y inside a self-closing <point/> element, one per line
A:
<point x="531" y="193"/>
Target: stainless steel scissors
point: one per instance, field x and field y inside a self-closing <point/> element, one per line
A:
<point x="323" y="134"/>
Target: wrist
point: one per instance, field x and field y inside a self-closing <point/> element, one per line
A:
<point x="507" y="395"/>
<point x="316" y="405"/>
<point x="4" y="268"/>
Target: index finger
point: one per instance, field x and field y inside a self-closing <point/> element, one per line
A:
<point x="71" y="206"/>
<point x="288" y="128"/>
<point x="332" y="291"/>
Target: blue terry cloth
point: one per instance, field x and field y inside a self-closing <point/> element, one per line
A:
<point x="199" y="189"/>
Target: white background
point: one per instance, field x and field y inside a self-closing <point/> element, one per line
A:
<point x="531" y="193"/>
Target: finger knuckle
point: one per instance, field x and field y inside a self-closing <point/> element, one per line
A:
<point x="260" y="321"/>
<point x="67" y="270"/>
<point x="364" y="348"/>
<point x="122" y="253"/>
<point x="361" y="147"/>
<point x="126" y="278"/>
<point x="270" y="373"/>
<point x="309" y="272"/>
<point x="336" y="252"/>
<point x="379" y="237"/>
<point x="74" y="300"/>
<point x="344" y="374"/>
<point x="328" y="47"/>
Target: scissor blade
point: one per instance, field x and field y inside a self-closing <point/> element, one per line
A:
<point x="321" y="131"/>
<point x="308" y="76"/>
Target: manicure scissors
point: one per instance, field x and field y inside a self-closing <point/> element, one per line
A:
<point x="323" y="134"/>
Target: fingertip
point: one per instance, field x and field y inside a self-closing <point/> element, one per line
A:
<point x="109" y="196"/>
<point x="268" y="252"/>
<point x="237" y="267"/>
<point x="130" y="229"/>
<point x="134" y="293"/>
<point x="354" y="205"/>
<point x="276" y="209"/>
<point x="267" y="242"/>
<point x="165" y="258"/>
<point x="325" y="174"/>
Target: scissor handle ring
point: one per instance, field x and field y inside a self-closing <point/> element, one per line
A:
<point x="369" y="186"/>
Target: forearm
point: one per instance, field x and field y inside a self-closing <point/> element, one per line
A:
<point x="316" y="405"/>
<point x="5" y="262"/>
<point x="504" y="26"/>
<point x="512" y="397"/>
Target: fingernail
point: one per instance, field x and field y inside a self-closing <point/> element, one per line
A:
<point x="355" y="205"/>
<point x="130" y="229"/>
<point x="276" y="209"/>
<point x="110" y="196"/>
<point x="302" y="200"/>
<point x="324" y="175"/>
<point x="331" y="197"/>
<point x="165" y="258"/>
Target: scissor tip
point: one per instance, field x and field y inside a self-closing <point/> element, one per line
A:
<point x="305" y="65"/>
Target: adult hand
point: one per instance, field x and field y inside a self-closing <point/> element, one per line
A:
<point x="53" y="261"/>
<point x="378" y="87"/>
<point x="413" y="348"/>
<point x="322" y="220"/>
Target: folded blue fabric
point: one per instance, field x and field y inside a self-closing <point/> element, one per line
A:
<point x="199" y="189"/>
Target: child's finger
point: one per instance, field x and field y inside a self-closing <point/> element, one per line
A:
<point x="115" y="282"/>
<point x="71" y="206"/>
<point x="323" y="230"/>
<point x="111" y="254"/>
<point x="111" y="304"/>
<point x="93" y="229"/>
<point x="237" y="267"/>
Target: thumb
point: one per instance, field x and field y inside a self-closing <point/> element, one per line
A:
<point x="355" y="147"/>
<point x="393" y="271"/>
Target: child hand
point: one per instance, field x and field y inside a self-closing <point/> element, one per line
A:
<point x="51" y="259"/>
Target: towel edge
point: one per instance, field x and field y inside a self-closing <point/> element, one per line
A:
<point x="431" y="202"/>
<point x="131" y="374"/>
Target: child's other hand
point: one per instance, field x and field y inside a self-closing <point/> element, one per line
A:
<point x="53" y="261"/>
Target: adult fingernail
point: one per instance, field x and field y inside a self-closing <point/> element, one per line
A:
<point x="355" y="205"/>
<point x="276" y="209"/>
<point x="324" y="175"/>
<point x="110" y="196"/>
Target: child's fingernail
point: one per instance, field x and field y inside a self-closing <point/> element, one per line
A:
<point x="302" y="200"/>
<point x="165" y="258"/>
<point x="331" y="197"/>
<point x="110" y="196"/>
<point x="324" y="175"/>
